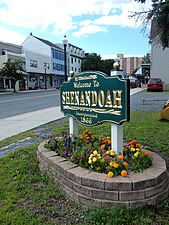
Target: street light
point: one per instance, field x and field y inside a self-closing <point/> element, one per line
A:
<point x="45" y="67"/>
<point x="65" y="41"/>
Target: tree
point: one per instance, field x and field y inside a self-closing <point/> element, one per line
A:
<point x="146" y="59"/>
<point x="92" y="61"/>
<point x="107" y="66"/>
<point x="13" y="70"/>
<point x="159" y="14"/>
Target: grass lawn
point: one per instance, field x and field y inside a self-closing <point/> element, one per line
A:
<point x="28" y="197"/>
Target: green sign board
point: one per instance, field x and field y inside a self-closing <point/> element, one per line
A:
<point x="93" y="97"/>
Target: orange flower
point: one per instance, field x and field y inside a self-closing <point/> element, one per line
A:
<point x="138" y="145"/>
<point x="121" y="157"/>
<point x="129" y="143"/>
<point x="146" y="153"/>
<point x="125" y="163"/>
<point x="109" y="142"/>
<point x="115" y="165"/>
<point x="110" y="174"/>
<point x="134" y="141"/>
<point x="102" y="146"/>
<point x="124" y="173"/>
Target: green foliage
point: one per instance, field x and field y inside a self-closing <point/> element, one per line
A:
<point x="13" y="70"/>
<point x="27" y="196"/>
<point x="95" y="153"/>
<point x="159" y="13"/>
<point x="92" y="61"/>
<point x="146" y="59"/>
<point x="107" y="66"/>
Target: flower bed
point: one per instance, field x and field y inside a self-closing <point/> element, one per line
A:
<point x="97" y="189"/>
<point x="90" y="172"/>
<point x="95" y="153"/>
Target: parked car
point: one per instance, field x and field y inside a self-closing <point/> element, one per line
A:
<point x="134" y="82"/>
<point x="155" y="84"/>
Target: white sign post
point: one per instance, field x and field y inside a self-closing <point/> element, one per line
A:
<point x="117" y="138"/>
<point x="73" y="127"/>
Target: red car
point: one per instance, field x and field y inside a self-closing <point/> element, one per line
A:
<point x="134" y="82"/>
<point x="155" y="84"/>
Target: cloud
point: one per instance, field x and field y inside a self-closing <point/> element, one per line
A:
<point x="9" y="35"/>
<point x="68" y="15"/>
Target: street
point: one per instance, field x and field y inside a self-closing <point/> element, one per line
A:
<point x="23" y="102"/>
<point x="26" y="110"/>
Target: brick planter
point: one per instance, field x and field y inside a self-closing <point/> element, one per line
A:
<point x="96" y="189"/>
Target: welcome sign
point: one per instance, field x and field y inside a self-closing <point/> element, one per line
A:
<point x="93" y="97"/>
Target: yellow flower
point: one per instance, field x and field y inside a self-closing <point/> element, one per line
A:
<point x="137" y="149"/>
<point x="107" y="152"/>
<point x="91" y="155"/>
<point x="90" y="161"/>
<point x="95" y="152"/>
<point x="111" y="164"/>
<point x="102" y="160"/>
<point x="98" y="155"/>
<point x="132" y="149"/>
<point x="110" y="174"/>
<point x="112" y="153"/>
<point x="136" y="154"/>
<point x="94" y="159"/>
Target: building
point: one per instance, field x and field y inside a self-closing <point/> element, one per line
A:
<point x="159" y="58"/>
<point x="75" y="57"/>
<point x="129" y="64"/>
<point x="12" y="52"/>
<point x="44" y="63"/>
<point x="143" y="72"/>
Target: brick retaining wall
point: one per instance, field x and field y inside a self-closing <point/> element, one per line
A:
<point x="96" y="189"/>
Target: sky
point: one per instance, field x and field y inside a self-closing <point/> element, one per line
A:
<point x="97" y="26"/>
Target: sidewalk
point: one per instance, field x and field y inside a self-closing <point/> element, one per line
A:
<point x="16" y="124"/>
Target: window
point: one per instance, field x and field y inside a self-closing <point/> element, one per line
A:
<point x="33" y="63"/>
<point x="56" y="55"/>
<point x="54" y="66"/>
<point x="62" y="56"/>
<point x="78" y="60"/>
<point x="58" y="67"/>
<point x="75" y="59"/>
<point x="71" y="59"/>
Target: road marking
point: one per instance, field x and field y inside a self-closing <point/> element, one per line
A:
<point x="20" y="99"/>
